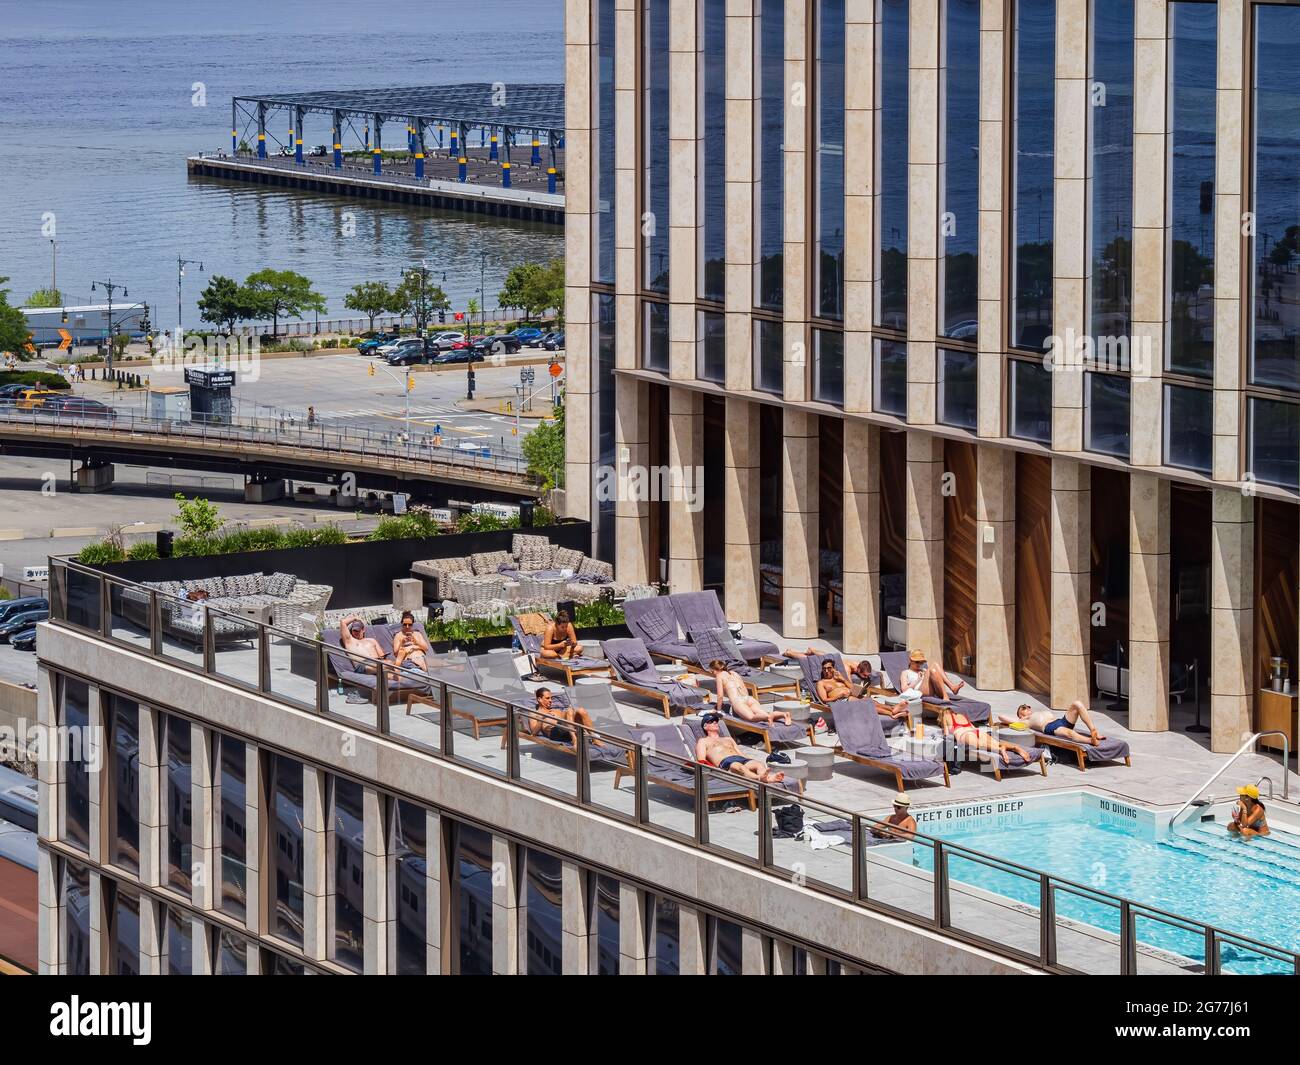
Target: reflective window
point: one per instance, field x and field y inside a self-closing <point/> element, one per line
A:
<point x="891" y="377"/>
<point x="1275" y="350"/>
<point x="232" y="808"/>
<point x="768" y="364"/>
<point x="604" y="383"/>
<point x="544" y="895"/>
<point x="711" y="364"/>
<point x="348" y="842"/>
<point x="76" y="919"/>
<point x="1274" y="451"/>
<point x="1106" y="414"/>
<point x="604" y="932"/>
<point x="1034" y="131"/>
<point x="1031" y="401"/>
<point x="1110" y="162"/>
<point x="411" y="870"/>
<point x="958" y="400"/>
<point x="177" y="770"/>
<point x="1189" y="427"/>
<point x="829" y="118"/>
<point x="666" y="939"/>
<point x="828" y="366"/>
<point x="769" y="119"/>
<point x="654" y="146"/>
<point x="178" y="942"/>
<point x="124" y="959"/>
<point x="286" y="777"/>
<point x="74" y="811"/>
<point x="713" y="149"/>
<point x="124" y="721"/>
<point x="728" y="948"/>
<point x="655" y="345"/>
<point x="275" y="964"/>
<point x="474" y="900"/>
<point x="891" y="178"/>
<point x="1192" y="80"/>
<point x="232" y="954"/>
<point x="959" y="168"/>
<point x="603" y="143"/>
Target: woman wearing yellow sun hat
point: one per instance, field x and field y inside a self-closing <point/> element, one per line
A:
<point x="1248" y="816"/>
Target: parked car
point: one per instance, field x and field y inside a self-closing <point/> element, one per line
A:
<point x="461" y="353"/>
<point x="78" y="407"/>
<point x="409" y="355"/>
<point x="527" y="335"/>
<point x="10" y="607"/>
<point x="31" y="398"/>
<point x="507" y="343"/>
<point x="20" y="621"/>
<point x="446" y="340"/>
<point x="368" y="346"/>
<point x="25" y="640"/>
<point x="9" y="393"/>
<point x="554" y="342"/>
<point x="319" y="149"/>
<point x="406" y="343"/>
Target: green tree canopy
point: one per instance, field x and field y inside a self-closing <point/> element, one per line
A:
<point x="281" y="293"/>
<point x="45" y="297"/>
<point x="15" y="334"/>
<point x="543" y="449"/>
<point x="534" y="288"/>
<point x="418" y="296"/>
<point x="371" y="298"/>
<point x="224" y="303"/>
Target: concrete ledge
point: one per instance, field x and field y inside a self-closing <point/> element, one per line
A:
<point x="11" y="534"/>
<point x="74" y="530"/>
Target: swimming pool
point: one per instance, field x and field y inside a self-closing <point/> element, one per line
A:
<point x="1198" y="871"/>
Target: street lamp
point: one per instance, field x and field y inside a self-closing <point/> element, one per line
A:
<point x="482" y="321"/>
<point x="181" y="264"/>
<point x="110" y="287"/>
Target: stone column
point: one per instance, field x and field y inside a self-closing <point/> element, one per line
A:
<point x="923" y="217"/>
<point x="48" y="945"/>
<point x="579" y="401"/>
<point x="795" y="255"/>
<point x="505" y="908"/>
<point x="859" y="204"/>
<point x="378" y="901"/>
<point x="1231" y="250"/>
<point x="205" y="861"/>
<point x="153" y="849"/>
<point x="753" y="955"/>
<point x="995" y="569"/>
<point x="151" y="937"/>
<point x="691" y="925"/>
<point x="997" y="47"/>
<point x="925" y="542"/>
<point x="1150" y="237"/>
<point x="316" y="920"/>
<point x="685" y="483"/>
<point x="861" y="537"/>
<point x="1069" y="269"/>
<point x="1071" y="519"/>
<point x="741" y="516"/>
<point x="631" y="931"/>
<point x="255" y="803"/>
<point x="93" y="752"/>
<point x="203" y="961"/>
<point x="627" y="220"/>
<point x="683" y="159"/>
<point x="631" y="505"/>
<point x="99" y="925"/>
<point x="576" y="947"/>
<point x="799" y="499"/>
<point x="435" y="857"/>
<point x="1232" y="619"/>
<point x="782" y="958"/>
<point x="739" y="270"/>
<point x="1148" y="603"/>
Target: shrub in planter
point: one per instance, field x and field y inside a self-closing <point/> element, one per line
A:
<point x="100" y="554"/>
<point x="144" y="551"/>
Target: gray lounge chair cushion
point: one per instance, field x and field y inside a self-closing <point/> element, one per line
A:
<point x="1111" y="749"/>
<point x="859" y="730"/>
<point x="651" y="620"/>
<point x="702" y="610"/>
<point x="631" y="663"/>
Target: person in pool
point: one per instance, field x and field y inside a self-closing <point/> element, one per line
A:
<point x="1064" y="727"/>
<point x="900" y="824"/>
<point x="1248" y="816"/>
<point x="715" y="749"/>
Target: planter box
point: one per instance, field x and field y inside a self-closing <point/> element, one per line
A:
<point x="488" y="643"/>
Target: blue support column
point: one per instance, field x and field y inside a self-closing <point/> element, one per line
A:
<point x="418" y="134"/>
<point x="234" y="129"/>
<point x="379" y="144"/>
<point x="297" y="144"/>
<point x="505" y="175"/>
<point x="440" y="135"/>
<point x="338" y="141"/>
<point x="537" y="152"/>
<point x="464" y="173"/>
<point x="550" y="181"/>
<point x="455" y="147"/>
<point x="493" y="154"/>
<point x="261" y="131"/>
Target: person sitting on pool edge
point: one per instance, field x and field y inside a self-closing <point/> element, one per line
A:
<point x="549" y="718"/>
<point x="1062" y="727"/>
<point x="561" y="638"/>
<point x="902" y="823"/>
<point x="731" y="687"/>
<point x="1248" y="816"/>
<point x="715" y="749"/>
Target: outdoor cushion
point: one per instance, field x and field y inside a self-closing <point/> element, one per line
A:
<point x="567" y="558"/>
<point x="594" y="567"/>
<point x="280" y="584"/>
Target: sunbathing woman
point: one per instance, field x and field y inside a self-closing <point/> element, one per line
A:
<point x="959" y="727"/>
<point x="928" y="679"/>
<point x="731" y="687"/>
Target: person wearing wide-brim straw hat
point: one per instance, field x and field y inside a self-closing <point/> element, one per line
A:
<point x="1248" y="816"/>
<point x="928" y="677"/>
<point x="900" y="824"/>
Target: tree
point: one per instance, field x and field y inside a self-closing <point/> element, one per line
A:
<point x="15" y="335"/>
<point x="419" y="297"/>
<point x="276" y="293"/>
<point x="543" y="448"/>
<point x="224" y="303"/>
<point x="46" y="297"/>
<point x="515" y="293"/>
<point x="534" y="288"/>
<point x="197" y="517"/>
<point x="371" y="298"/>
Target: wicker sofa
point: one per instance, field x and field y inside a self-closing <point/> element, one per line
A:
<point x="287" y="596"/>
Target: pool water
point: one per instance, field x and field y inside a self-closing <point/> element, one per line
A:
<point x="1198" y="871"/>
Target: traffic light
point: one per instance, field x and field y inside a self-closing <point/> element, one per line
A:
<point x="410" y="382"/>
<point x="442" y="317"/>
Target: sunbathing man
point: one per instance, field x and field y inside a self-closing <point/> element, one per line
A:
<point x="715" y="749"/>
<point x="959" y="727"/>
<point x="548" y="717"/>
<point x="352" y="635"/>
<point x="833" y="685"/>
<point x="1248" y="816"/>
<point x="1063" y="727"/>
<point x="731" y="687"/>
<point x="927" y="679"/>
<point x="410" y="645"/>
<point x="561" y="639"/>
<point x="902" y="822"/>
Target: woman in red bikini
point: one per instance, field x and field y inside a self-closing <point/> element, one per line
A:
<point x="959" y="727"/>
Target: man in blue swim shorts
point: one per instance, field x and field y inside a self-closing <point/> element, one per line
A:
<point x="715" y="749"/>
<point x="1064" y="727"/>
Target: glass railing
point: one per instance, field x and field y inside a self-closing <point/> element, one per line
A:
<point x="1007" y="908"/>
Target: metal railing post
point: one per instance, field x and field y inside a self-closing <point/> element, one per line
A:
<point x="1046" y="922"/>
<point x="155" y="624"/>
<point x="381" y="698"/>
<point x="263" y="658"/>
<point x="701" y="806"/>
<point x="1211" y="952"/>
<point x="584" y="766"/>
<point x="859" y="858"/>
<point x="322" y="679"/>
<point x="512" y="742"/>
<point x="641" y="791"/>
<point x="105" y="609"/>
<point x="764" y="829"/>
<point x="940" y="885"/>
<point x="209" y="644"/>
<point x="448" y="740"/>
<point x="1127" y="939"/>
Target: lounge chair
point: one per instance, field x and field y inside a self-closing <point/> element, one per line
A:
<point x="702" y="610"/>
<point x="568" y="668"/>
<point x="343" y="666"/>
<point x="862" y="740"/>
<point x="667" y="739"/>
<point x="654" y="622"/>
<point x="718" y="644"/>
<point x="894" y="662"/>
<point x="1108" y="750"/>
<point x="634" y="671"/>
<point x="811" y="664"/>
<point x="598" y="701"/>
<point x="492" y="675"/>
<point x="694" y="730"/>
<point x="1004" y="761"/>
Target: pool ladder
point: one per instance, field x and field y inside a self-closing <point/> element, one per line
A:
<point x="1249" y="745"/>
